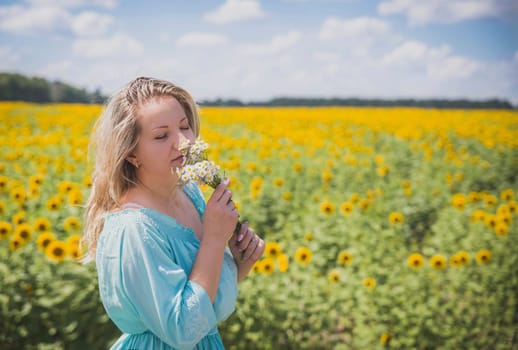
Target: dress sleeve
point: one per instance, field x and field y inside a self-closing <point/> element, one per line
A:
<point x="175" y="309"/>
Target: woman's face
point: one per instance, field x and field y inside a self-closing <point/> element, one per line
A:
<point x="163" y="128"/>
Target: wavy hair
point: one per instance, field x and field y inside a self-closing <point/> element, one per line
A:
<point x="114" y="137"/>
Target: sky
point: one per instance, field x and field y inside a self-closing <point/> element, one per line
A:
<point x="254" y="50"/>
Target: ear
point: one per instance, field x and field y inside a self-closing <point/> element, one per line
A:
<point x="132" y="159"/>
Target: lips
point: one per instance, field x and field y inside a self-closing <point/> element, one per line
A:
<point x="180" y="159"/>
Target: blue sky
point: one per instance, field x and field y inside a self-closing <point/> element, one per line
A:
<point x="256" y="50"/>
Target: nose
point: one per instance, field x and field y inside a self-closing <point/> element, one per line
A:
<point x="182" y="141"/>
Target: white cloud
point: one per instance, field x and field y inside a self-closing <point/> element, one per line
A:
<point x="55" y="70"/>
<point x="277" y="44"/>
<point x="201" y="39"/>
<point x="437" y="62"/>
<point x="235" y="10"/>
<point x="360" y="28"/>
<point x="21" y="20"/>
<point x="51" y="18"/>
<point x="413" y="51"/>
<point x="421" y="12"/>
<point x="109" y="4"/>
<point x="452" y="67"/>
<point x="116" y="45"/>
<point x="91" y="23"/>
<point x="8" y="58"/>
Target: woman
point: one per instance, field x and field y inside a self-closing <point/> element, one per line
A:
<point x="168" y="263"/>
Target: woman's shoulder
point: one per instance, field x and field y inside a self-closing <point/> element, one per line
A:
<point x="131" y="220"/>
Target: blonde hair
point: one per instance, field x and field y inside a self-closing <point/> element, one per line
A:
<point x="114" y="138"/>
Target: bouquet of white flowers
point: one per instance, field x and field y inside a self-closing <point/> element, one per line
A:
<point x="198" y="168"/>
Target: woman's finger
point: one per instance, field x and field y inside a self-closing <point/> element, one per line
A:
<point x="242" y="232"/>
<point x="247" y="238"/>
<point x="220" y="190"/>
<point x="254" y="248"/>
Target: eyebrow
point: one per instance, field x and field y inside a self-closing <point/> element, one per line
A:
<point x="165" y="126"/>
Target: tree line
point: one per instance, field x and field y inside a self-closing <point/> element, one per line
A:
<point x="18" y="87"/>
<point x="360" y="102"/>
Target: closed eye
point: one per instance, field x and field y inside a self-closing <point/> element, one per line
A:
<point x="160" y="137"/>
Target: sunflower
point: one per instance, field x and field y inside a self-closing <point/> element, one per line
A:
<point x="463" y="257"/>
<point x="455" y="261"/>
<point x="75" y="197"/>
<point x="65" y="187"/>
<point x="507" y="194"/>
<point x="278" y="182"/>
<point x="327" y="176"/>
<point x="87" y="181"/>
<point x="364" y="204"/>
<point x="406" y="184"/>
<point x="4" y="180"/>
<point x="72" y="224"/>
<point x="334" y="276"/>
<point x="438" y="262"/>
<point x="42" y="224"/>
<point x="512" y="206"/>
<point x="308" y="236"/>
<point x="490" y="200"/>
<point x="297" y="167"/>
<point x="283" y="262"/>
<point x="256" y="184"/>
<point x="327" y="208"/>
<point x="346" y="208"/>
<point x="490" y="220"/>
<point x="256" y="267"/>
<point x="73" y="247"/>
<point x="303" y="255"/>
<point x="18" y="195"/>
<point x="287" y="196"/>
<point x="251" y="166"/>
<point x="354" y="198"/>
<point x="15" y="243"/>
<point x="382" y="171"/>
<point x="415" y="261"/>
<point x="379" y="159"/>
<point x="345" y="258"/>
<point x="459" y="201"/>
<point x="474" y="197"/>
<point x="483" y="256"/>
<point x="24" y="231"/>
<point x="19" y="218"/>
<point x="54" y="203"/>
<point x="5" y="229"/>
<point x="56" y="251"/>
<point x="396" y="218"/>
<point x="369" y="283"/>
<point x="505" y="218"/>
<point x="385" y="338"/>
<point x="272" y="249"/>
<point x="267" y="266"/>
<point x="503" y="209"/>
<point x="478" y="216"/>
<point x="36" y="180"/>
<point x="501" y="229"/>
<point x="44" y="239"/>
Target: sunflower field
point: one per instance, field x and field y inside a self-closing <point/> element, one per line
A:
<point x="385" y="228"/>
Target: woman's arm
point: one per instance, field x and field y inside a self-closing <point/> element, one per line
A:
<point x="219" y="220"/>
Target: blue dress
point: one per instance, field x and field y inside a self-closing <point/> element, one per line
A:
<point x="143" y="260"/>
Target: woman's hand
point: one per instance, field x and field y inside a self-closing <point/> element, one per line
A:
<point x="220" y="217"/>
<point x="246" y="247"/>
